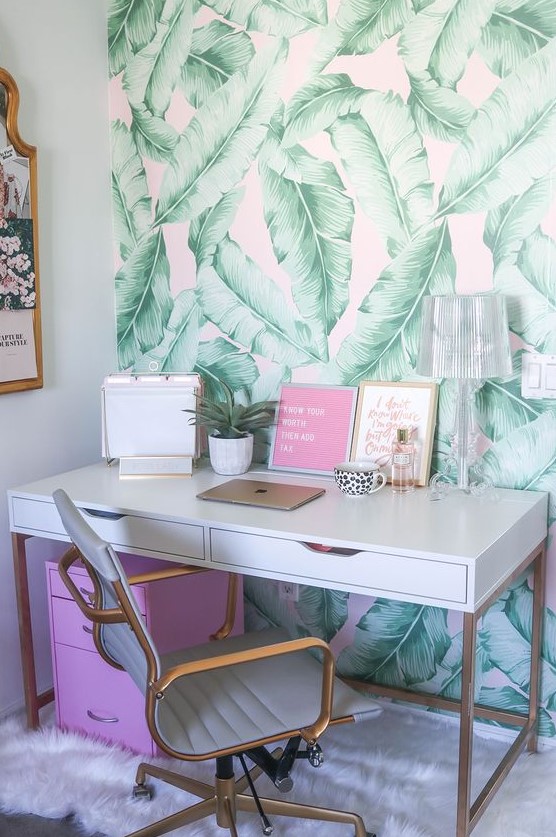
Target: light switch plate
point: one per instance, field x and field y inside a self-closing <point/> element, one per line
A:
<point x="538" y="375"/>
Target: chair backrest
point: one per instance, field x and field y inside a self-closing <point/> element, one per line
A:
<point x="114" y="610"/>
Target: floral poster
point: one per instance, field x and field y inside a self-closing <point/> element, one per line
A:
<point x="17" y="270"/>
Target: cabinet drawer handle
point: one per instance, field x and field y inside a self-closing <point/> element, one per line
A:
<point x="87" y="593"/>
<point x="104" y="514"/>
<point x="94" y="717"/>
<point x="87" y="629"/>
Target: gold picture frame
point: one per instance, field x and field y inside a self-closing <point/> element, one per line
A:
<point x="21" y="366"/>
<point x="384" y="406"/>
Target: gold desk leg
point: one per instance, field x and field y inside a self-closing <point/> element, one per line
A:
<point x="33" y="701"/>
<point x="25" y="633"/>
<point x="466" y="723"/>
<point x="536" y="641"/>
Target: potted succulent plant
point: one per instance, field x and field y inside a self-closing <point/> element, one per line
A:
<point x="230" y="425"/>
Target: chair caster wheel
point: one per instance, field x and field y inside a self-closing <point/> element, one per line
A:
<point x="267" y="829"/>
<point x="142" y="792"/>
<point x="371" y="834"/>
<point x="284" y="785"/>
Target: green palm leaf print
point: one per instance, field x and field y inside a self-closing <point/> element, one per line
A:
<point x="310" y="223"/>
<point x="441" y="37"/>
<point x="316" y="105"/>
<point x="439" y="111"/>
<point x="446" y="681"/>
<point x="537" y="262"/>
<point x="532" y="316"/>
<point x="526" y="459"/>
<point x="350" y="133"/>
<point x="217" y="51"/>
<point x="516" y="31"/>
<point x="501" y="407"/>
<point x="358" y="28"/>
<point x="248" y="307"/>
<point x="383" y="154"/>
<point x="155" y="138"/>
<point x="505" y="635"/>
<point x="506" y="697"/>
<point x="507" y="226"/>
<point x="384" y="341"/>
<point x="510" y="141"/>
<point x="221" y="140"/>
<point x="153" y="73"/>
<point x="207" y="230"/>
<point x="177" y="351"/>
<point x="293" y="161"/>
<point x="323" y="612"/>
<point x="131" y="201"/>
<point x="131" y="25"/>
<point x="143" y="299"/>
<point x="285" y="18"/>
<point x="396" y="643"/>
<point x="218" y="360"/>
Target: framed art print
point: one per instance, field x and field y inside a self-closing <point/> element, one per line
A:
<point x="314" y="426"/>
<point x="382" y="407"/>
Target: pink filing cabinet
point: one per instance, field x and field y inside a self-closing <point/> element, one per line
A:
<point x="94" y="698"/>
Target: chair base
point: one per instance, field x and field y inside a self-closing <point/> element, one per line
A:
<point x="225" y="798"/>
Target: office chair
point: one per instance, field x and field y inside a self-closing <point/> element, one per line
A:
<point x="225" y="698"/>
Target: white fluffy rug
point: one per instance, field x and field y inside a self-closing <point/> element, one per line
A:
<point x="398" y="772"/>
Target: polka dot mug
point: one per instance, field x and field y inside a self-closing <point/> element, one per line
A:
<point x="358" y="478"/>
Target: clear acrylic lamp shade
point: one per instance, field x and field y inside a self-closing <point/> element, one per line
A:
<point x="464" y="336"/>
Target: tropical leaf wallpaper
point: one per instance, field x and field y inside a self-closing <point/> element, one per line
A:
<point x="290" y="178"/>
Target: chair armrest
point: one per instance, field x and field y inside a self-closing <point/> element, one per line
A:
<point x="310" y="733"/>
<point x="96" y="615"/>
<point x="116" y="615"/>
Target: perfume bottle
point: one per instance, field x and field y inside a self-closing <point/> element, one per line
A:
<point x="403" y="459"/>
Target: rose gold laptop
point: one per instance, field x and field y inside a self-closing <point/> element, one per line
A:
<point x="269" y="495"/>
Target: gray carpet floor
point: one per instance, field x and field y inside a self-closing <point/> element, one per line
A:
<point x="30" y="826"/>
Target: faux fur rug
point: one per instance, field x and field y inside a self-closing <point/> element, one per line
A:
<point x="398" y="772"/>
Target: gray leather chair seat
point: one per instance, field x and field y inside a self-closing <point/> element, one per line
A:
<point x="217" y="710"/>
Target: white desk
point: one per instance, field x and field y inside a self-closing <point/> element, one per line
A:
<point x="459" y="553"/>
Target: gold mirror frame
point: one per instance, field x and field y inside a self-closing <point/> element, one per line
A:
<point x="23" y="364"/>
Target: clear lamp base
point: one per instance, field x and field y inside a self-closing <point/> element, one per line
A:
<point x="446" y="481"/>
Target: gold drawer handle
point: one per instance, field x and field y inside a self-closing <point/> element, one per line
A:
<point x="94" y="717"/>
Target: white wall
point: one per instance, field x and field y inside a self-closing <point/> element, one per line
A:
<point x="56" y="52"/>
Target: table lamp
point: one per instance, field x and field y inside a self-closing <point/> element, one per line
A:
<point x="466" y="338"/>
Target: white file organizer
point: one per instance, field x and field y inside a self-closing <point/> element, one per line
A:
<point x="144" y="424"/>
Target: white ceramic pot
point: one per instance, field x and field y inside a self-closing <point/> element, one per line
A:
<point x="230" y="456"/>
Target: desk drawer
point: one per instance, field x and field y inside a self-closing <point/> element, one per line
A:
<point x="381" y="574"/>
<point x="128" y="532"/>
